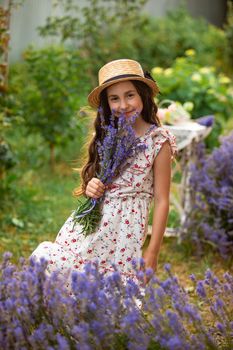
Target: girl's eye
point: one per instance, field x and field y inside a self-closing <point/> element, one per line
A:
<point x="113" y="99"/>
<point x="130" y="95"/>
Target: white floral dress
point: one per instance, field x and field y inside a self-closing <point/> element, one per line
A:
<point x="123" y="226"/>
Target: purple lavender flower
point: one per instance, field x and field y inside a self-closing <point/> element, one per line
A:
<point x="210" y="221"/>
<point x="207" y="120"/>
<point x="99" y="311"/>
<point x="167" y="267"/>
<point x="220" y="327"/>
<point x="62" y="342"/>
<point x="192" y="277"/>
<point x="174" y="343"/>
<point x="192" y="313"/>
<point x="115" y="151"/>
<point x="201" y="290"/>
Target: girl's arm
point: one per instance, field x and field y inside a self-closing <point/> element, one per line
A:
<point x="162" y="181"/>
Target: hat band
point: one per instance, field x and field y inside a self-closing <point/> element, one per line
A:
<point x="122" y="76"/>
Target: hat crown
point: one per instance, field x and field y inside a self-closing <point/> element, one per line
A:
<point x="117" y="71"/>
<point x="118" y="68"/>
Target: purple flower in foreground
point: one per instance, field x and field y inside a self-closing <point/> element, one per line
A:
<point x="108" y="312"/>
<point x="192" y="277"/>
<point x="174" y="343"/>
<point x="201" y="289"/>
<point x="62" y="342"/>
<point x="7" y="256"/>
<point x="167" y="267"/>
<point x="220" y="327"/>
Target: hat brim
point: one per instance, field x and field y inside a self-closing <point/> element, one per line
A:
<point x="94" y="96"/>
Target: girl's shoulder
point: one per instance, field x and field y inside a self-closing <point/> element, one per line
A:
<point x="161" y="134"/>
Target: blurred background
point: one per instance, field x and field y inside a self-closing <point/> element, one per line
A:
<point x="26" y="18"/>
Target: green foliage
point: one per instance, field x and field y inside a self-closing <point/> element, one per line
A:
<point x="8" y="120"/>
<point x="210" y="92"/>
<point x="168" y="37"/>
<point x="55" y="79"/>
<point x="7" y="116"/>
<point x="52" y="96"/>
<point x="229" y="38"/>
<point x="6" y="156"/>
<point x="95" y="28"/>
<point x="36" y="202"/>
<point x="35" y="209"/>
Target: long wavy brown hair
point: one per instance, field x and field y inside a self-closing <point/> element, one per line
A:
<point x="149" y="115"/>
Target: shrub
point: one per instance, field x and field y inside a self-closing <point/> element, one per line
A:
<point x="228" y="51"/>
<point x="7" y="120"/>
<point x="210" y="92"/>
<point x="210" y="221"/>
<point x="94" y="28"/>
<point x="108" y="313"/>
<point x="53" y="94"/>
<point x="186" y="80"/>
<point x="166" y="38"/>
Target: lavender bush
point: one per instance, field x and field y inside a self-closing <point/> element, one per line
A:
<point x="210" y="221"/>
<point x="105" y="312"/>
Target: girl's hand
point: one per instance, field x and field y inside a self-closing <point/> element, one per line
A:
<point x="95" y="188"/>
<point x="151" y="261"/>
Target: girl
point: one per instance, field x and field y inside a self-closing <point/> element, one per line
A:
<point x="123" y="88"/>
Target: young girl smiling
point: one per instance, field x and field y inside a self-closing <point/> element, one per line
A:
<point x="123" y="88"/>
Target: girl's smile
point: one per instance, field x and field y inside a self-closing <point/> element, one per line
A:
<point x="124" y="98"/>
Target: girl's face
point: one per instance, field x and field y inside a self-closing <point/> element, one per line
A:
<point x="124" y="98"/>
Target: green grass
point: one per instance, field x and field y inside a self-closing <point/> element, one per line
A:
<point x="40" y="205"/>
<point x="37" y="200"/>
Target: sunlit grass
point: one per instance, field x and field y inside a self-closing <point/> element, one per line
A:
<point x="40" y="207"/>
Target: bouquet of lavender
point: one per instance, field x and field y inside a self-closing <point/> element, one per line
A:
<point x="115" y="150"/>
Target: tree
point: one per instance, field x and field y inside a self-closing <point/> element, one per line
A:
<point x="98" y="29"/>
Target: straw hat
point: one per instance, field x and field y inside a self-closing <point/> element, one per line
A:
<point x="115" y="72"/>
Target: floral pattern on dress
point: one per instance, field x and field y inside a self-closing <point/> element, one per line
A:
<point x="123" y="226"/>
